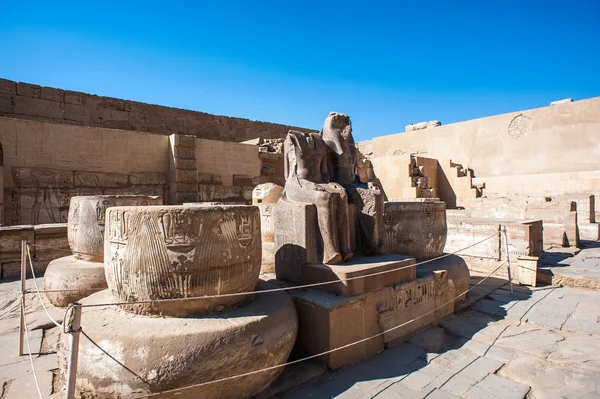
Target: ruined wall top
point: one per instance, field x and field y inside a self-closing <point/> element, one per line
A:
<point x="28" y="101"/>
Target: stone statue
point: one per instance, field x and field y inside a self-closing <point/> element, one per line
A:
<point x="308" y="181"/>
<point x="337" y="133"/>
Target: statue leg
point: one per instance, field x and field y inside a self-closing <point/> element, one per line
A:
<point x="371" y="218"/>
<point x="326" y="212"/>
<point x="342" y="221"/>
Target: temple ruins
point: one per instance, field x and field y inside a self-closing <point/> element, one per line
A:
<point x="213" y="257"/>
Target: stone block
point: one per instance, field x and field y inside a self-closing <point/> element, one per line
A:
<point x="206" y="177"/>
<point x="185" y="152"/>
<point x="147" y="178"/>
<point x="38" y="107"/>
<point x="347" y="275"/>
<point x="295" y="238"/>
<point x="187" y="187"/>
<point x="328" y="321"/>
<point x="10" y="242"/>
<point x="28" y="90"/>
<point x="51" y="241"/>
<point x="12" y="270"/>
<point x="415" y="228"/>
<point x="589" y="231"/>
<point x="8" y="86"/>
<point x="110" y="103"/>
<point x="50" y="93"/>
<point x="75" y="112"/>
<point x="181" y="197"/>
<point x="6" y="104"/>
<point x="185" y="176"/>
<point x="75" y="97"/>
<point x="185" y="163"/>
<point x="184" y="140"/>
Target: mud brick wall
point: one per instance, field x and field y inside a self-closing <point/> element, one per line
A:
<point x="28" y="101"/>
<point x="42" y="195"/>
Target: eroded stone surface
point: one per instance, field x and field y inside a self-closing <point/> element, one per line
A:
<point x="172" y="353"/>
<point x="72" y="279"/>
<point x="415" y="228"/>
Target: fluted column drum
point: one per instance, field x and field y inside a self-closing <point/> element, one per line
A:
<point x="175" y="252"/>
<point x="85" y="227"/>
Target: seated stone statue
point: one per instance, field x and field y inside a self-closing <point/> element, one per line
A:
<point x="308" y="181"/>
<point x="337" y="133"/>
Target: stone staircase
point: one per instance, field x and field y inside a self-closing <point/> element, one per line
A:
<point x="461" y="179"/>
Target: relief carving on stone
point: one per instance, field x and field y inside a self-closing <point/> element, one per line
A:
<point x="178" y="252"/>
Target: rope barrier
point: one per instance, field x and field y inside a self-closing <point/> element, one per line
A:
<point x="39" y="295"/>
<point x="282" y="288"/>
<point x="319" y="354"/>
<point x="38" y="291"/>
<point x="37" y="384"/>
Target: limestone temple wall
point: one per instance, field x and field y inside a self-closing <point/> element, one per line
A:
<point x="45" y="164"/>
<point x="28" y="101"/>
<point x="549" y="150"/>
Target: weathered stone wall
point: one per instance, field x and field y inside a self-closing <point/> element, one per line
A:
<point x="227" y="171"/>
<point x="45" y="164"/>
<point x="27" y="101"/>
<point x="549" y="150"/>
<point x="48" y="242"/>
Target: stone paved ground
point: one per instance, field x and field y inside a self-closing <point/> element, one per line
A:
<point x="537" y="343"/>
<point x="578" y="269"/>
<point x="16" y="378"/>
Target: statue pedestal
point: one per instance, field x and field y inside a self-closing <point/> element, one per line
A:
<point x="360" y="266"/>
<point x="328" y="321"/>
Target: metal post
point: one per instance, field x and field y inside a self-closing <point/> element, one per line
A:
<point x="75" y="329"/>
<point x="23" y="290"/>
<point x="507" y="259"/>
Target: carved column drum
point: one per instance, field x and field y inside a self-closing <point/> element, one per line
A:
<point x="172" y="252"/>
<point x="415" y="228"/>
<point x="85" y="226"/>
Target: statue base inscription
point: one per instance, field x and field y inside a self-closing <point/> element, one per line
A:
<point x="329" y="321"/>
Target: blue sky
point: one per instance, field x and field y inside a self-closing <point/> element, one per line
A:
<point x="386" y="63"/>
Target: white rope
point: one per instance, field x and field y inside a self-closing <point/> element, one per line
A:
<point x="285" y="288"/>
<point x="39" y="295"/>
<point x="37" y="385"/>
<point x="322" y="353"/>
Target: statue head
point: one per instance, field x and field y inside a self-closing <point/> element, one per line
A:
<point x="337" y="125"/>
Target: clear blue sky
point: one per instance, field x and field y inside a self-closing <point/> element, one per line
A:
<point x="386" y="63"/>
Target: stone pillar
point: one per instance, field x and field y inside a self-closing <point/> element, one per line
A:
<point x="265" y="196"/>
<point x="183" y="176"/>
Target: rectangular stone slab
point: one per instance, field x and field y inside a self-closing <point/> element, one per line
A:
<point x="359" y="266"/>
<point x="328" y="321"/>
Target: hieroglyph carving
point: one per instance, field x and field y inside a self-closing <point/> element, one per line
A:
<point x="178" y="252"/>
